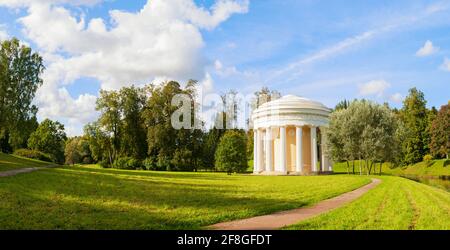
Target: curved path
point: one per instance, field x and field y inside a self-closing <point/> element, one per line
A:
<point x="285" y="218"/>
<point x="22" y="170"/>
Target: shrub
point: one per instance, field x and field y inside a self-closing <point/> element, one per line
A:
<point x="121" y="163"/>
<point x="134" y="164"/>
<point x="104" y="164"/>
<point x="33" y="154"/>
<point x="231" y="152"/>
<point x="151" y="164"/>
<point x="427" y="158"/>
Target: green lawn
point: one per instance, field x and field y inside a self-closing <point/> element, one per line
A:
<point x="397" y="203"/>
<point x="11" y="162"/>
<point x="433" y="168"/>
<point x="94" y="198"/>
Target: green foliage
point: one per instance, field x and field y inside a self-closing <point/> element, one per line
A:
<point x="132" y="137"/>
<point x="173" y="149"/>
<point x="77" y="151"/>
<point x="150" y="163"/>
<point x="364" y="130"/>
<point x="342" y="105"/>
<point x="414" y="116"/>
<point x="49" y="138"/>
<point x="127" y="163"/>
<point x="440" y="133"/>
<point x="231" y="155"/>
<point x="33" y="154"/>
<point x="427" y="158"/>
<point x="20" y="77"/>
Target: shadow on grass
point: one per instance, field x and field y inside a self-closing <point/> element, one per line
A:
<point x="80" y="200"/>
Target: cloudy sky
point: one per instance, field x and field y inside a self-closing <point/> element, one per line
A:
<point x="323" y="50"/>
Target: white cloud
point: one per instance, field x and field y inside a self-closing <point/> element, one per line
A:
<point x="397" y="98"/>
<point x="161" y="41"/>
<point x="3" y="33"/>
<point x="375" y="87"/>
<point x="427" y="49"/>
<point x="446" y="65"/>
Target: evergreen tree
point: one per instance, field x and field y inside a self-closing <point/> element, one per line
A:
<point x="414" y="116"/>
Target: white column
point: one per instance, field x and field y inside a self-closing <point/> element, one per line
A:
<point x="298" y="143"/>
<point x="283" y="149"/>
<point x="269" y="149"/>
<point x="314" y="149"/>
<point x="255" y="151"/>
<point x="260" y="152"/>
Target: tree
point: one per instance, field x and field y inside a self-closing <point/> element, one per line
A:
<point x="364" y="131"/>
<point x="110" y="119"/>
<point x="99" y="143"/>
<point x="342" y="105"/>
<point x="265" y="95"/>
<point x="440" y="133"/>
<point x="77" y="151"/>
<point x="133" y="142"/>
<point x="20" y="77"/>
<point x="231" y="153"/>
<point x="49" y="138"/>
<point x="71" y="152"/>
<point x="414" y="116"/>
<point x="170" y="148"/>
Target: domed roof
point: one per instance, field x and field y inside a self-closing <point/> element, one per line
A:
<point x="291" y="110"/>
<point x="292" y="100"/>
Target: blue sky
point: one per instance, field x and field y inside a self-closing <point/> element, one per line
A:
<point x="323" y="50"/>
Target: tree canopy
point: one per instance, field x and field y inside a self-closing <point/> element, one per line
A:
<point x="49" y="138"/>
<point x="20" y="77"/>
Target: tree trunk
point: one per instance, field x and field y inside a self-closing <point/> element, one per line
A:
<point x="348" y="168"/>
<point x="370" y="168"/>
<point x="353" y="163"/>
<point x="381" y="166"/>
<point x="360" y="169"/>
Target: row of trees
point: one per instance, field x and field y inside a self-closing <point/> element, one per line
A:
<point x="373" y="133"/>
<point x="135" y="124"/>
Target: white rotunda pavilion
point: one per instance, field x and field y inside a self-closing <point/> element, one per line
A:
<point x="289" y="137"/>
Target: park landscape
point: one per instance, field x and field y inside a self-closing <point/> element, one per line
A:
<point x="131" y="168"/>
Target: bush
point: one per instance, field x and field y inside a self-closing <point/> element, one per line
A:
<point x="427" y="158"/>
<point x="33" y="154"/>
<point x="231" y="152"/>
<point x="151" y="164"/>
<point x="134" y="164"/>
<point x="104" y="164"/>
<point x="127" y="163"/>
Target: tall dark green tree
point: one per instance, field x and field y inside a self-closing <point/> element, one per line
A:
<point x="440" y="133"/>
<point x="168" y="147"/>
<point x="110" y="119"/>
<point x="49" y="138"/>
<point x="20" y="77"/>
<point x="133" y="142"/>
<point x="231" y="155"/>
<point x="414" y="116"/>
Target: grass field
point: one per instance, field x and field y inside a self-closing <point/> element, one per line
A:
<point x="433" y="168"/>
<point x="94" y="198"/>
<point x="397" y="203"/>
<point x="11" y="162"/>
